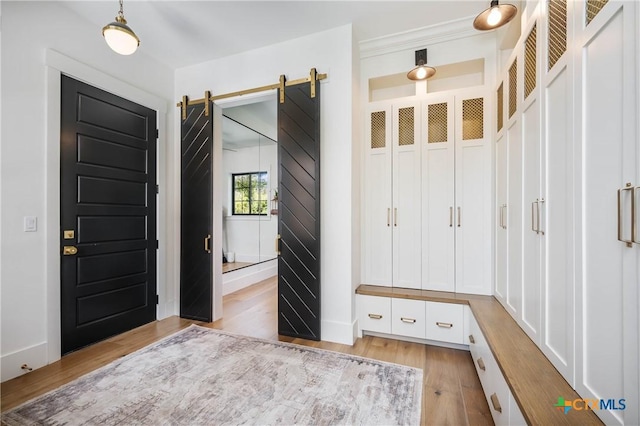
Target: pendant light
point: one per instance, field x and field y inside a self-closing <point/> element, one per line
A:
<point x="120" y="38"/>
<point x="421" y="71"/>
<point x="495" y="16"/>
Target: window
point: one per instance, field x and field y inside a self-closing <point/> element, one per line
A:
<point x="249" y="193"/>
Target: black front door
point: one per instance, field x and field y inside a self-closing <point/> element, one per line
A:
<point x="108" y="214"/>
<point x="196" y="212"/>
<point x="299" y="212"/>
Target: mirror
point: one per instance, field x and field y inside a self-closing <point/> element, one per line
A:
<point x="249" y="161"/>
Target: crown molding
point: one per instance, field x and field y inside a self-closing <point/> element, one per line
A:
<point x="411" y="39"/>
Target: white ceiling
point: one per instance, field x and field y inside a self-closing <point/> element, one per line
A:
<point x="181" y="33"/>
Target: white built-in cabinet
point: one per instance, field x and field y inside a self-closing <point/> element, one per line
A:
<point x="567" y="189"/>
<point x="427" y="202"/>
<point x="392" y="195"/>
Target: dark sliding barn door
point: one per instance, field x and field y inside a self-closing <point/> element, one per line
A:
<point x="108" y="214"/>
<point x="299" y="212"/>
<point x="196" y="212"/>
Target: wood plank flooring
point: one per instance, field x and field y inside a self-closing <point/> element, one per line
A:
<point x="451" y="395"/>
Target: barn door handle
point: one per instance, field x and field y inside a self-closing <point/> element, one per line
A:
<point x="628" y="187"/>
<point x="278" y="244"/>
<point x="207" y="243"/>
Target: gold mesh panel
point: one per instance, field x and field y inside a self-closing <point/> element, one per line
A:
<point x="557" y="30"/>
<point x="405" y="126"/>
<point x="500" y="104"/>
<point x="530" y="62"/>
<point x="472" y="118"/>
<point x="593" y="8"/>
<point x="378" y="129"/>
<point x="438" y="123"/>
<point x="513" y="88"/>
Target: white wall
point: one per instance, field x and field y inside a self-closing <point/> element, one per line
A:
<point x="330" y="52"/>
<point x="30" y="164"/>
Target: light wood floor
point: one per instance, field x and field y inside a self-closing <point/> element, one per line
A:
<point x="451" y="395"/>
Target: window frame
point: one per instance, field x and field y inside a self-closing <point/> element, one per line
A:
<point x="250" y="200"/>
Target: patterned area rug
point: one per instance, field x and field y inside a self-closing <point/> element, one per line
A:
<point x="202" y="376"/>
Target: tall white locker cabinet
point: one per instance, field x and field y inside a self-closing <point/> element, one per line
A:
<point x="607" y="303"/>
<point x="392" y="195"/>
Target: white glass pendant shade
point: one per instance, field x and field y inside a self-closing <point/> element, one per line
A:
<point x="495" y="16"/>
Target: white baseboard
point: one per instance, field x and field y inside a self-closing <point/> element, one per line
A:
<point x="34" y="356"/>
<point x="338" y="332"/>
<point x="241" y="278"/>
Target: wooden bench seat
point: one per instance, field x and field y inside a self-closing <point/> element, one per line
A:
<point x="534" y="382"/>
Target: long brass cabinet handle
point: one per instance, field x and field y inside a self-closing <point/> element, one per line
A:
<point x="450" y="217"/>
<point x="504" y="215"/>
<point x="375" y="316"/>
<point x="501" y="221"/>
<point x="444" y="324"/>
<point x="496" y="403"/>
<point x="533" y="220"/>
<point x="408" y="320"/>
<point x="388" y="217"/>
<point x="629" y="242"/>
<point x="459" y="217"/>
<point x="207" y="243"/>
<point x="395" y="217"/>
<point x="634" y="212"/>
<point x="540" y="202"/>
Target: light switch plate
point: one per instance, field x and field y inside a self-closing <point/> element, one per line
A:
<point x="30" y="224"/>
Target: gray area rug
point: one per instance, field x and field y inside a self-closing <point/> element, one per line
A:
<point x="201" y="376"/>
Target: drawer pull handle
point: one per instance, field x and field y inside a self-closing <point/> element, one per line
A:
<point x="375" y="316"/>
<point x="444" y="324"/>
<point x="481" y="364"/>
<point x="407" y="320"/>
<point x="471" y="339"/>
<point x="496" y="403"/>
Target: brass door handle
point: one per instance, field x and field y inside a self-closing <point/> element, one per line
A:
<point x="69" y="250"/>
<point x="459" y="216"/>
<point x="444" y="324"/>
<point x="375" y="316"/>
<point x="407" y="320"/>
<point x="207" y="243"/>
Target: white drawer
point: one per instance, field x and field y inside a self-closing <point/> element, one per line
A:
<point x="408" y="318"/>
<point x="374" y="313"/>
<point x="497" y="393"/>
<point x="445" y="322"/>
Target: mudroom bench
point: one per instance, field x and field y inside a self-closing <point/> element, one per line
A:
<point x="520" y="383"/>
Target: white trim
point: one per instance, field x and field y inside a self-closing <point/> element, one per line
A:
<point x="417" y="38"/>
<point x="57" y="64"/>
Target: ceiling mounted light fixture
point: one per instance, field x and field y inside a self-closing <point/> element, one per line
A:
<point x="495" y="16"/>
<point x="421" y="71"/>
<point x="120" y="38"/>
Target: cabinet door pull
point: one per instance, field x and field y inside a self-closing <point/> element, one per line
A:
<point x="501" y="218"/>
<point x="634" y="211"/>
<point x="533" y="214"/>
<point x="471" y="338"/>
<point x="388" y="217"/>
<point x="207" y="243"/>
<point x="481" y="364"/>
<point x="459" y="216"/>
<point x="395" y="216"/>
<point x="375" y="316"/>
<point x="540" y="216"/>
<point x="408" y="320"/>
<point x="505" y="216"/>
<point x="496" y="403"/>
<point x="450" y="217"/>
<point x="628" y="187"/>
<point x="444" y="324"/>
